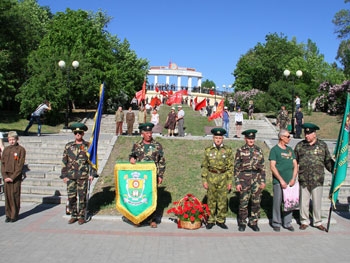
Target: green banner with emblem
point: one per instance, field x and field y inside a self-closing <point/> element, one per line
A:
<point x="136" y="190"/>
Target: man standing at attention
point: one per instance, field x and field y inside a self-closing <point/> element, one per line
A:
<point x="217" y="177"/>
<point x="12" y="162"/>
<point x="313" y="156"/>
<point x="249" y="174"/>
<point x="130" y="119"/>
<point x="283" y="118"/>
<point x="284" y="169"/>
<point x="147" y="149"/>
<point x="180" y="120"/>
<point x="76" y="173"/>
<point x="299" y="121"/>
<point x="119" y="119"/>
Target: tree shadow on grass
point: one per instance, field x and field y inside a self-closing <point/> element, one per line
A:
<point x="101" y="199"/>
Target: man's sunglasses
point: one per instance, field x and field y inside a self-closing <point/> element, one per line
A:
<point x="78" y="132"/>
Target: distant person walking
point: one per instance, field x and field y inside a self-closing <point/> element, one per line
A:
<point x="35" y="116"/>
<point x="251" y="110"/>
<point x="297" y="102"/>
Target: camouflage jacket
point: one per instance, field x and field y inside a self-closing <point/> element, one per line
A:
<point x="312" y="160"/>
<point x="218" y="161"/>
<point x="75" y="163"/>
<point x="150" y="152"/>
<point x="249" y="160"/>
<point x="283" y="116"/>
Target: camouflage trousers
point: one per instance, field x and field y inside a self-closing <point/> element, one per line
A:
<point x="217" y="197"/>
<point x="77" y="189"/>
<point x="283" y="124"/>
<point x="251" y="191"/>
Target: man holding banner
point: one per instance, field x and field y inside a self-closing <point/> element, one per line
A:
<point x="149" y="150"/>
<point x="313" y="156"/>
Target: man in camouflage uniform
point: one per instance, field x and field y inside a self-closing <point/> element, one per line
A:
<point x="313" y="156"/>
<point x="75" y="173"/>
<point x="249" y="174"/>
<point x="147" y="149"/>
<point x="217" y="177"/>
<point x="283" y="118"/>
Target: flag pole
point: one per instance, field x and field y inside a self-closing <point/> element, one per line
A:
<point x="329" y="218"/>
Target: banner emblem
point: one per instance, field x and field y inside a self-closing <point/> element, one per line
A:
<point x="136" y="190"/>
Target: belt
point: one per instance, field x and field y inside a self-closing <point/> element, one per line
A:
<point x="217" y="171"/>
<point x="250" y="171"/>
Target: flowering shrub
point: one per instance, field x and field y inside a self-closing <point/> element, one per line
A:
<point x="190" y="209"/>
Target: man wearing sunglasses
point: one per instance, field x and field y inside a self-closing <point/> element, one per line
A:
<point x="76" y="173"/>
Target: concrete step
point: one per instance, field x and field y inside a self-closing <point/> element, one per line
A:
<point x="54" y="182"/>
<point x="43" y="190"/>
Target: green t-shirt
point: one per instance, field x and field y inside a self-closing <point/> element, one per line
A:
<point x="284" y="162"/>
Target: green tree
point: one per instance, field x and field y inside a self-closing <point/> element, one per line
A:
<point x="207" y="85"/>
<point x="23" y="24"/>
<point x="80" y="35"/>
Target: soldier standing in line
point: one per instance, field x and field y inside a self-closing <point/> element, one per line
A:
<point x="147" y="149"/>
<point x="130" y="119"/>
<point x="119" y="119"/>
<point x="76" y="173"/>
<point x="12" y="162"/>
<point x="313" y="156"/>
<point x="249" y="174"/>
<point x="217" y="177"/>
<point x="282" y="118"/>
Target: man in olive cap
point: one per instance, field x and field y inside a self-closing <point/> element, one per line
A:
<point x="12" y="162"/>
<point x="313" y="156"/>
<point x="217" y="178"/>
<point x="147" y="149"/>
<point x="76" y="173"/>
<point x="249" y="174"/>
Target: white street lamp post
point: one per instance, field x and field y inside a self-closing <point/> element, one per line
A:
<point x="62" y="65"/>
<point x="298" y="73"/>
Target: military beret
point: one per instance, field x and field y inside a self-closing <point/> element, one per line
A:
<point x="78" y="126"/>
<point x="148" y="126"/>
<point x="218" y="131"/>
<point x="309" y="128"/>
<point x="250" y="134"/>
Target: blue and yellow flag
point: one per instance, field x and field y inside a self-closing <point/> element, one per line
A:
<point x="92" y="151"/>
<point x="341" y="155"/>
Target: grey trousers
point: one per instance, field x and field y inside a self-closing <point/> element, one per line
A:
<point x="277" y="212"/>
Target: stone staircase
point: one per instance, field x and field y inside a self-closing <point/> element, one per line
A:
<point x="41" y="182"/>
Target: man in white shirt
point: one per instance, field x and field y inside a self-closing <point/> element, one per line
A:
<point x="35" y="116"/>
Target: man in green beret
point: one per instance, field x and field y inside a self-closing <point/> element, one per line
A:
<point x="217" y="177"/>
<point x="147" y="149"/>
<point x="249" y="174"/>
<point x="76" y="173"/>
<point x="313" y="156"/>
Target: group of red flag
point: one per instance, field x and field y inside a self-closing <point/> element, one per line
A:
<point x="176" y="98"/>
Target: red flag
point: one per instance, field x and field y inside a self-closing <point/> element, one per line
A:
<point x="141" y="94"/>
<point x="195" y="101"/>
<point x="176" y="98"/>
<point x="211" y="92"/>
<point x="164" y="93"/>
<point x="200" y="105"/>
<point x="157" y="90"/>
<point x="218" y="113"/>
<point x="155" y="102"/>
<point x="171" y="92"/>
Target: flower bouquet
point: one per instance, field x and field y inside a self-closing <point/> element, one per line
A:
<point x="190" y="212"/>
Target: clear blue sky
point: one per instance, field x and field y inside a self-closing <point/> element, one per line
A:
<point x="210" y="36"/>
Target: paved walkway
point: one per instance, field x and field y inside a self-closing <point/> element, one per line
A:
<point x="42" y="235"/>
